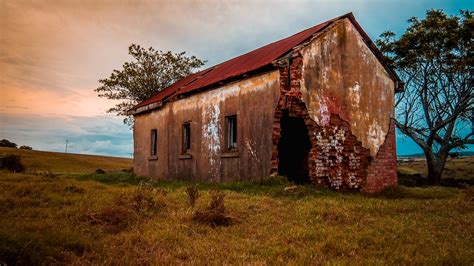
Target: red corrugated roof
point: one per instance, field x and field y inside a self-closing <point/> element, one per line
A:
<point x="240" y="65"/>
<point x="250" y="61"/>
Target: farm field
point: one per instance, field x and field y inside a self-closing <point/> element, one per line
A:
<point x="459" y="168"/>
<point x="70" y="215"/>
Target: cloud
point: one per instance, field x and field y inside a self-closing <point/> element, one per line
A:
<point x="105" y="135"/>
<point x="53" y="52"/>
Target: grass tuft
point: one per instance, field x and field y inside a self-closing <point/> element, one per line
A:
<point x="192" y="194"/>
<point x="215" y="214"/>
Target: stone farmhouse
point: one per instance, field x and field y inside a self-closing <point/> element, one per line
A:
<point x="316" y="107"/>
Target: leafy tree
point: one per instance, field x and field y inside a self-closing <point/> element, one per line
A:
<point x="151" y="71"/>
<point x="434" y="56"/>
<point x="7" y="143"/>
<point x="25" y="147"/>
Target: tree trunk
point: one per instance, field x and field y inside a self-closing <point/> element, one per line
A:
<point x="436" y="163"/>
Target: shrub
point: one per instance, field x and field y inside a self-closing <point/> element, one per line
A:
<point x="12" y="162"/>
<point x="193" y="195"/>
<point x="215" y="214"/>
<point x="115" y="218"/>
<point x="24" y="147"/>
<point x="74" y="189"/>
<point x="100" y="171"/>
<point x="7" y="143"/>
<point x="128" y="170"/>
<point x="147" y="199"/>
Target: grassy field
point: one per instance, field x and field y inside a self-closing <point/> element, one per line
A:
<point x="116" y="218"/>
<point x="61" y="163"/>
<point x="460" y="168"/>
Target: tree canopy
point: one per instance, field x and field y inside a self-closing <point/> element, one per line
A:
<point x="7" y="143"/>
<point x="434" y="57"/>
<point x="150" y="72"/>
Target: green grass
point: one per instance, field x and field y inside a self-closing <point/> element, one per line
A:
<point x="117" y="218"/>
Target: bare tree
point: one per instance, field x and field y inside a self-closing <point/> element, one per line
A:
<point x="435" y="59"/>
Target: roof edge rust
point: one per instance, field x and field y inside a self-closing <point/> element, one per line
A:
<point x="251" y="63"/>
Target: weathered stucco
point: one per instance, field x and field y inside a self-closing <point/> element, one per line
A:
<point x="333" y="85"/>
<point x="341" y="75"/>
<point x="253" y="100"/>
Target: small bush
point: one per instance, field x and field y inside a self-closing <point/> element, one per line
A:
<point x="193" y="195"/>
<point x="115" y="218"/>
<point x="74" y="189"/>
<point x="24" y="147"/>
<point x="128" y="209"/>
<point x="215" y="214"/>
<point x="100" y="171"/>
<point x="147" y="200"/>
<point x="128" y="170"/>
<point x="13" y="163"/>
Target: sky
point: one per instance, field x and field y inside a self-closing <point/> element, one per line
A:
<point x="52" y="54"/>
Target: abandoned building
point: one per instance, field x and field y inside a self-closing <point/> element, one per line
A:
<point x="316" y="107"/>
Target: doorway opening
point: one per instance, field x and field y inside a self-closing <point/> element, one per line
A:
<point x="293" y="149"/>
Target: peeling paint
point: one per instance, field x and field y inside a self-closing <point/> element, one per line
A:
<point x="251" y="148"/>
<point x="342" y="76"/>
<point x="206" y="111"/>
<point x="211" y="138"/>
<point x="354" y="94"/>
<point x="375" y="134"/>
<point x="232" y="90"/>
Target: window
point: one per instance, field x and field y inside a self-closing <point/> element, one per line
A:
<point x="186" y="137"/>
<point x="231" y="130"/>
<point x="154" y="139"/>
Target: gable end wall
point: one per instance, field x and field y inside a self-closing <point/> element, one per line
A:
<point x="342" y="79"/>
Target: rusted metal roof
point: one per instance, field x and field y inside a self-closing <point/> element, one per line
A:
<point x="242" y="64"/>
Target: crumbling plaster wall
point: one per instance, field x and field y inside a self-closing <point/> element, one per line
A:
<point x="253" y="100"/>
<point x="346" y="98"/>
<point x="341" y="75"/>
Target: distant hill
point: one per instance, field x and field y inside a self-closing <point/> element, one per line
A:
<point x="61" y="163"/>
<point x="462" y="153"/>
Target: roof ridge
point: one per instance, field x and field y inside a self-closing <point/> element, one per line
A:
<point x="239" y="65"/>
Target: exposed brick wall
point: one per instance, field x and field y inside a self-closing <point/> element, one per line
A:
<point x="382" y="170"/>
<point x="336" y="159"/>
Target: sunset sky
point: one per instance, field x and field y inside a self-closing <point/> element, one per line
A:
<point x="52" y="54"/>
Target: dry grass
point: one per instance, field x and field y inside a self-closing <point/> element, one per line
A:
<point x="193" y="195"/>
<point x="215" y="214"/>
<point x="64" y="220"/>
<point x="60" y="163"/>
<point x="117" y="219"/>
<point x="458" y="168"/>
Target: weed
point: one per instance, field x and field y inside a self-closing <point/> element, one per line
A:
<point x="115" y="218"/>
<point x="215" y="214"/>
<point x="127" y="209"/>
<point x="147" y="200"/>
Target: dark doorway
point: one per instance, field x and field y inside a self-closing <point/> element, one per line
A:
<point x="293" y="149"/>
